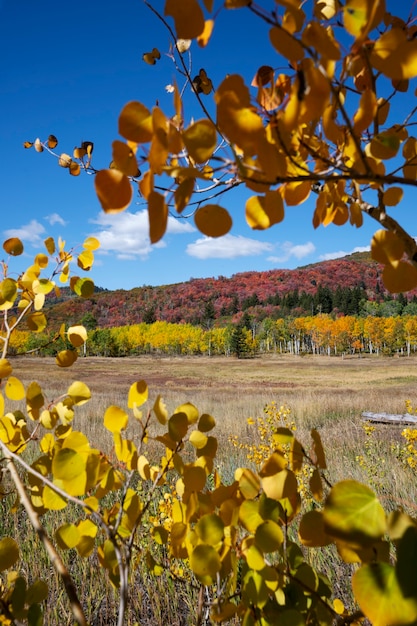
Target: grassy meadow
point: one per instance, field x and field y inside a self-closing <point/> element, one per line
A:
<point x="326" y="393"/>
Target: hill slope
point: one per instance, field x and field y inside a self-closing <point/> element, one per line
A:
<point x="275" y="293"/>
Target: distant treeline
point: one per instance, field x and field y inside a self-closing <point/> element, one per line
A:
<point x="319" y="334"/>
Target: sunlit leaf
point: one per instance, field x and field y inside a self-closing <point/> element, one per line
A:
<point x="79" y="393"/>
<point x="204" y="37"/>
<point x="392" y="196"/>
<point x="36" y="322"/>
<point x="67" y="536"/>
<point x="91" y="243"/>
<point x="38" y="145"/>
<point x="83" y="287"/>
<point x="52" y="142"/>
<point x="188" y="17"/>
<point x="50" y="245"/>
<point x="200" y="140"/>
<point x="13" y="246"/>
<point x="353" y="513"/>
<point x="115" y="419"/>
<point x="85" y="260"/>
<point x="14" y="389"/>
<point x="205" y="563"/>
<point x="213" y="220"/>
<point x="160" y="410"/>
<point x="381" y="597"/>
<point x="124" y="159"/>
<point x="135" y="123"/>
<point x="113" y="190"/>
<point x="5" y="368"/>
<point x="183" y="193"/>
<point x="386" y="247"/>
<point x="66" y="358"/>
<point x="285" y="44"/>
<point x="138" y="394"/>
<point x="263" y="211"/>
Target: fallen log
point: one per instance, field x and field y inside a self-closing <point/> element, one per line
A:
<point x="389" y="418"/>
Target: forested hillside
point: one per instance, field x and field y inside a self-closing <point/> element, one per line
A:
<point x="350" y="286"/>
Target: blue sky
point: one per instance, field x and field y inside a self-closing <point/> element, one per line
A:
<point x="68" y="69"/>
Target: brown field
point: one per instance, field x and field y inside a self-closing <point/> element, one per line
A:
<point x="323" y="392"/>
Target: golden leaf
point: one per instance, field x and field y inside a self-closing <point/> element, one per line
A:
<point x="158" y="216"/>
<point x="151" y="57"/>
<point x="395" y="55"/>
<point x="13" y="246"/>
<point x="113" y="190"/>
<point x="204" y="37"/>
<point x="135" y="123"/>
<point x="158" y="152"/>
<point x="321" y="39"/>
<point x="392" y="196"/>
<point x="200" y="140"/>
<point x="188" y="17"/>
<point x="124" y="159"/>
<point x="264" y="211"/>
<point x="212" y="220"/>
<point x="183" y="193"/>
<point x="52" y="142"/>
<point x="366" y="112"/>
<point x="399" y="276"/>
<point x="38" y="145"/>
<point x="386" y="247"/>
<point x="287" y="45"/>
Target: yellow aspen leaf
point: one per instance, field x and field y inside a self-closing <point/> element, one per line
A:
<point x="287" y="45"/>
<point x="205" y="563"/>
<point x="158" y="216"/>
<point x="297" y="192"/>
<point x="198" y="439"/>
<point x="280" y="485"/>
<point x="36" y="322"/>
<point x="160" y="410"/>
<point x="50" y="245"/>
<point x="113" y="190"/>
<point x="366" y="112"/>
<point x="66" y="358"/>
<point x="386" y="247"/>
<point x="213" y="220"/>
<point x="183" y="193"/>
<point x="9" y="553"/>
<point x="362" y="16"/>
<point x="52" y="142"/>
<point x="8" y="292"/>
<point x="42" y="260"/>
<point x="316" y="486"/>
<point x="85" y="260"/>
<point x="144" y="468"/>
<point x="381" y="595"/>
<point x="77" y="335"/>
<point x="356" y="215"/>
<point x="27" y="144"/>
<point x="158" y="151"/>
<point x="264" y="211"/>
<point x="67" y="536"/>
<point x="188" y="17"/>
<point x="269" y="536"/>
<point x="206" y="423"/>
<point x="204" y="37"/>
<point x="200" y="139"/>
<point x="91" y="243"/>
<point x="13" y="246"/>
<point x="249" y="484"/>
<point x="392" y="196"/>
<point x="395" y="55"/>
<point x="383" y="111"/>
<point x="124" y="159"/>
<point x="178" y="426"/>
<point x="115" y="419"/>
<point x="190" y="410"/>
<point x="293" y="18"/>
<point x="384" y="145"/>
<point x="321" y="39"/>
<point x="14" y="389"/>
<point x="138" y="394"/>
<point x="311" y="530"/>
<point x="48" y="419"/>
<point x="83" y="287"/>
<point x="399" y="276"/>
<point x="79" y="153"/>
<point x="52" y="500"/>
<point x="135" y="123"/>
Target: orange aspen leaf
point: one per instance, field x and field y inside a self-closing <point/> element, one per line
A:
<point x="113" y="190"/>
<point x="124" y="159"/>
<point x="366" y="112"/>
<point x="158" y="216"/>
<point x="188" y="17"/>
<point x="213" y="220"/>
<point x="135" y="123"/>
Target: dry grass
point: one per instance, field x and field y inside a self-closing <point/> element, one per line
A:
<point x="326" y="393"/>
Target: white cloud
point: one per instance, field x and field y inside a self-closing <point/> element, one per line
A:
<point x="290" y="250"/>
<point x="55" y="218"/>
<point x="127" y="234"/>
<point x="227" y="247"/>
<point x="31" y="233"/>
<point x="341" y="253"/>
